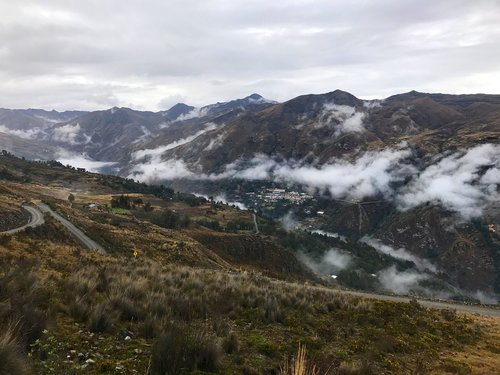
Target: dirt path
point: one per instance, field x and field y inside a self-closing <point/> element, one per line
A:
<point x="493" y="311"/>
<point x="36" y="219"/>
<point x="82" y="237"/>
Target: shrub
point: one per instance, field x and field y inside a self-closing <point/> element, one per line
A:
<point x="176" y="351"/>
<point x="170" y="219"/>
<point x="79" y="309"/>
<point x="231" y="343"/>
<point x="100" y="320"/>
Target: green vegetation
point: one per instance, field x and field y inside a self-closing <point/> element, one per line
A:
<point x="120" y="211"/>
<point x="170" y="219"/>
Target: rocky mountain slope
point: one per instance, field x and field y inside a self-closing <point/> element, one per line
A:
<point x="418" y="172"/>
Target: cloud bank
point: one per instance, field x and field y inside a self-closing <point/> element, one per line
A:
<point x="83" y="161"/>
<point x="463" y="182"/>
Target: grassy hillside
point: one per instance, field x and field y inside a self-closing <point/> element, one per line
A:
<point x="188" y="288"/>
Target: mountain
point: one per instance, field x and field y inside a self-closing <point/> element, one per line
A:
<point x="178" y="110"/>
<point x="186" y="285"/>
<point x="416" y="172"/>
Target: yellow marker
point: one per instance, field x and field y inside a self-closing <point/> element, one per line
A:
<point x="136" y="253"/>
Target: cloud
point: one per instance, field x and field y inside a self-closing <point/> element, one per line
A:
<point x="222" y="198"/>
<point x="329" y="234"/>
<point x="400" y="282"/>
<point x="464" y="182"/>
<point x="33" y="133"/>
<point x="401" y="254"/>
<point x="156" y="170"/>
<point x="458" y="182"/>
<point x="155" y="153"/>
<point x="216" y="142"/>
<point x="333" y="260"/>
<point x="371" y="174"/>
<point x="195" y="113"/>
<point x="69" y="134"/>
<point x="346" y="119"/>
<point x="86" y="55"/>
<point x="289" y="222"/>
<point x="83" y="161"/>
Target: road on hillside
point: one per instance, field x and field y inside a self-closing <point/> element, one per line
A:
<point x="255" y="224"/>
<point x="82" y="237"/>
<point x="460" y="307"/>
<point x="36" y="219"/>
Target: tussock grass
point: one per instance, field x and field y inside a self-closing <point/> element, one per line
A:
<point x="248" y="322"/>
<point x="12" y="360"/>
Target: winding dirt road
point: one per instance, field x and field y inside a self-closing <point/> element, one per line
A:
<point x="36" y="219"/>
<point x="82" y="237"/>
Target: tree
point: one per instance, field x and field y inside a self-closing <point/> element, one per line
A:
<point x="71" y="198"/>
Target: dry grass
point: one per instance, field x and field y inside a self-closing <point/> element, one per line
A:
<point x="299" y="364"/>
<point x="12" y="359"/>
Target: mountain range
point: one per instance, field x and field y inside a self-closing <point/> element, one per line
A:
<point x="417" y="173"/>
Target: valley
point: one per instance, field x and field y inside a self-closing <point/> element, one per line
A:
<point x="223" y="237"/>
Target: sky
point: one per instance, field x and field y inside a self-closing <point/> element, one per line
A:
<point x="151" y="54"/>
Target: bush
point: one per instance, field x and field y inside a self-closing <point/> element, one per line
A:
<point x="100" y="320"/>
<point x="170" y="219"/>
<point x="211" y="224"/>
<point x="176" y="351"/>
<point x="231" y="343"/>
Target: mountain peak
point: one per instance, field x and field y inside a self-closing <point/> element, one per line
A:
<point x="254" y="96"/>
<point x="178" y="110"/>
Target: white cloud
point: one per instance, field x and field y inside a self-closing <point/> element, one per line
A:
<point x="400" y="282"/>
<point x="456" y="182"/>
<point x="157" y="170"/>
<point x="216" y="142"/>
<point x="156" y="153"/>
<point x="333" y="260"/>
<point x="401" y="254"/>
<point x="33" y="133"/>
<point x="86" y="55"/>
<point x="345" y="119"/>
<point x="222" y="198"/>
<point x="67" y="134"/>
<point x="82" y="161"/>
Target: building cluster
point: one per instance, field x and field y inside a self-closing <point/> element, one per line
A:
<point x="275" y="195"/>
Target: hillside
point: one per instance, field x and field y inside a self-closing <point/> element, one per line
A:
<point x="417" y="173"/>
<point x="203" y="291"/>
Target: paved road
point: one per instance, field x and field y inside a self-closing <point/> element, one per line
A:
<point x="82" y="237"/>
<point x="255" y="224"/>
<point x="493" y="311"/>
<point x="35" y="220"/>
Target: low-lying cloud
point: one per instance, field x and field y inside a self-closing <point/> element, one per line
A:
<point x="333" y="260"/>
<point x="155" y="153"/>
<point x="400" y="282"/>
<point x="463" y="182"/>
<point x="32" y="133"/>
<point x="459" y="182"/>
<point x="401" y="254"/>
<point x="70" y="134"/>
<point x="346" y="119"/>
<point x="82" y="161"/>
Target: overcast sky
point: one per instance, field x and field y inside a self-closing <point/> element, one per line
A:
<point x="150" y="54"/>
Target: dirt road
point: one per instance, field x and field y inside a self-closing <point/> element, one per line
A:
<point x="36" y="219"/>
<point x="82" y="237"/>
<point x="493" y="311"/>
